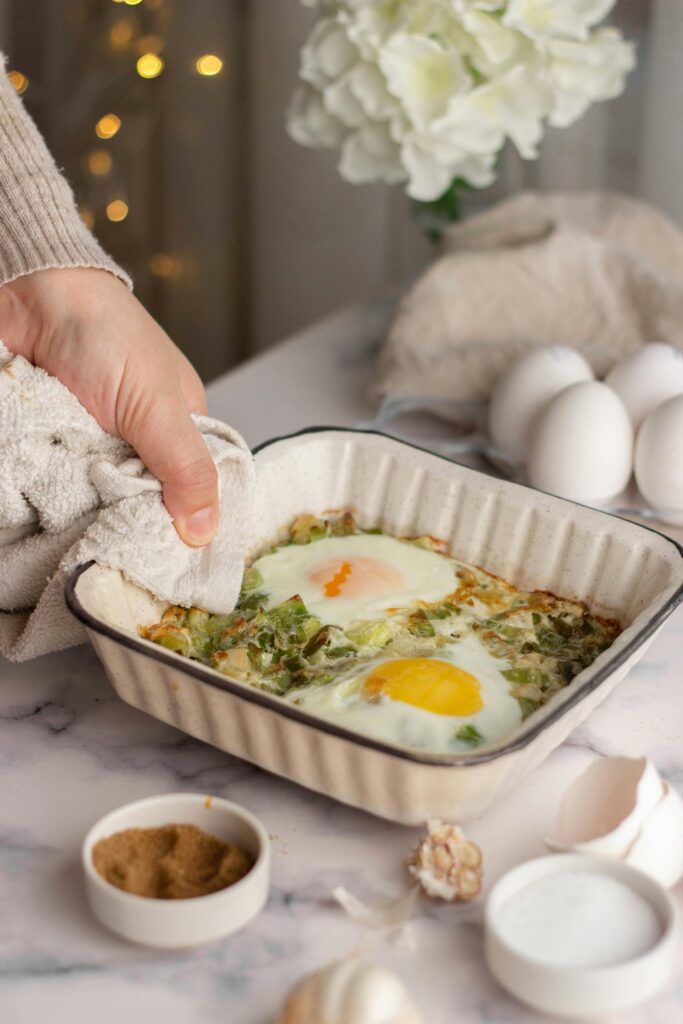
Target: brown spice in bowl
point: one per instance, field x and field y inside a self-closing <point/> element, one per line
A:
<point x="171" y="862"/>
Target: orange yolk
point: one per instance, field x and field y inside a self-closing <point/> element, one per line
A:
<point x="333" y="587"/>
<point x="355" y="577"/>
<point x="428" y="684"/>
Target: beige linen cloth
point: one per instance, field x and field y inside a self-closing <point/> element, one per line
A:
<point x="70" y="492"/>
<point x="600" y="272"/>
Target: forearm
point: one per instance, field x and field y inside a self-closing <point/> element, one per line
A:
<point x="40" y="227"/>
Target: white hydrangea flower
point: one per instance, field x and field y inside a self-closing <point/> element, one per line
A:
<point x="369" y="86"/>
<point x="515" y="104"/>
<point x="581" y="73"/>
<point x="310" y="124"/>
<point x="327" y="53"/>
<point x="422" y="75"/>
<point x="547" y="18"/>
<point x="429" y="177"/>
<point x="495" y="45"/>
<point x="428" y="91"/>
<point x="370" y="154"/>
<point x="341" y="102"/>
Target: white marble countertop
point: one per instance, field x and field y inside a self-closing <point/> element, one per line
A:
<point x="70" y="751"/>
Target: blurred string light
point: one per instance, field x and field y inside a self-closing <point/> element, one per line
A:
<point x="150" y="65"/>
<point x="121" y="34"/>
<point x="165" y="265"/>
<point x="99" y="162"/>
<point x="87" y="216"/>
<point x="107" y="126"/>
<point x="209" y="65"/>
<point x="124" y="36"/>
<point x="18" y="80"/>
<point x="117" y="210"/>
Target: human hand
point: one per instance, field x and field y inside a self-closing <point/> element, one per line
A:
<point x="85" y="327"/>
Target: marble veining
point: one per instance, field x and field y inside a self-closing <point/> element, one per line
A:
<point x="70" y="751"/>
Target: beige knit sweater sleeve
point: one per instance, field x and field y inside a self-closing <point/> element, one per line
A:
<point x="40" y="228"/>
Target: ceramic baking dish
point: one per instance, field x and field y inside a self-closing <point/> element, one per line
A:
<point x="530" y="539"/>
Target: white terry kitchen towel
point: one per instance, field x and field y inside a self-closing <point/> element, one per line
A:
<point x="70" y="492"/>
<point x="597" y="271"/>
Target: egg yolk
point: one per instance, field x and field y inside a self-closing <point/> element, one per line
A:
<point x="355" y="577"/>
<point x="428" y="684"/>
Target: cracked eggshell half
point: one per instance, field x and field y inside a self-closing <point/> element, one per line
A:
<point x="621" y="808"/>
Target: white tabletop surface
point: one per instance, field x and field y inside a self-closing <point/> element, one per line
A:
<point x="70" y="751"/>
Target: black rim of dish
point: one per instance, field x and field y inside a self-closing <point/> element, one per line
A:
<point x="243" y="691"/>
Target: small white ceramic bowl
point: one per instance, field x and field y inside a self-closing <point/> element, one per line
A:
<point x="580" y="992"/>
<point x="179" y="924"/>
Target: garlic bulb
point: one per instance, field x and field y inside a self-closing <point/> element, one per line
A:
<point x="350" y="991"/>
<point x="446" y="864"/>
<point x="620" y="807"/>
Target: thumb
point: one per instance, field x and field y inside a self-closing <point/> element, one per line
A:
<point x="171" y="447"/>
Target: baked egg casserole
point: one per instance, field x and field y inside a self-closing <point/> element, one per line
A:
<point x="391" y="637"/>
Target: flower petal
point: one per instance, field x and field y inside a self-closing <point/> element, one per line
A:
<point x="369" y="87"/>
<point x="580" y="73"/>
<point x="422" y="75"/>
<point x="309" y="123"/>
<point x="370" y="154"/>
<point x="341" y="102"/>
<point x="327" y="53"/>
<point x="541" y="19"/>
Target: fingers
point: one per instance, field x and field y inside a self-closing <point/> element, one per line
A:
<point x="191" y="386"/>
<point x="161" y="430"/>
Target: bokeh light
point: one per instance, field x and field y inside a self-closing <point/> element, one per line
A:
<point x="107" y="126"/>
<point x="99" y="162"/>
<point x="117" y="210"/>
<point x="150" y="65"/>
<point x="165" y="265"/>
<point x="121" y="34"/>
<point x="209" y="64"/>
<point x="18" y="80"/>
<point x="87" y="216"/>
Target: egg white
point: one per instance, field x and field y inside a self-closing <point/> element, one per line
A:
<point x="425" y="576"/>
<point x="403" y="724"/>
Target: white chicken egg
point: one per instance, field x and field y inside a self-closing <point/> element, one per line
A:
<point x="582" y="445"/>
<point x="522" y="392"/>
<point x="659" y="459"/>
<point x="423" y="702"/>
<point x="646" y="378"/>
<point x="341" y="579"/>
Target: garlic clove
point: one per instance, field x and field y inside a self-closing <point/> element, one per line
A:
<point x="446" y="864"/>
<point x="658" y="850"/>
<point x="603" y="810"/>
<point x="391" y="914"/>
<point x="350" y="991"/>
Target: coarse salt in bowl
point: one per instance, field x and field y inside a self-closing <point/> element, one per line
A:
<point x="181" y="923"/>
<point x="578" y="935"/>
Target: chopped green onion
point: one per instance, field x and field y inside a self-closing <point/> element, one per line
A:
<point x="470" y="735"/>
